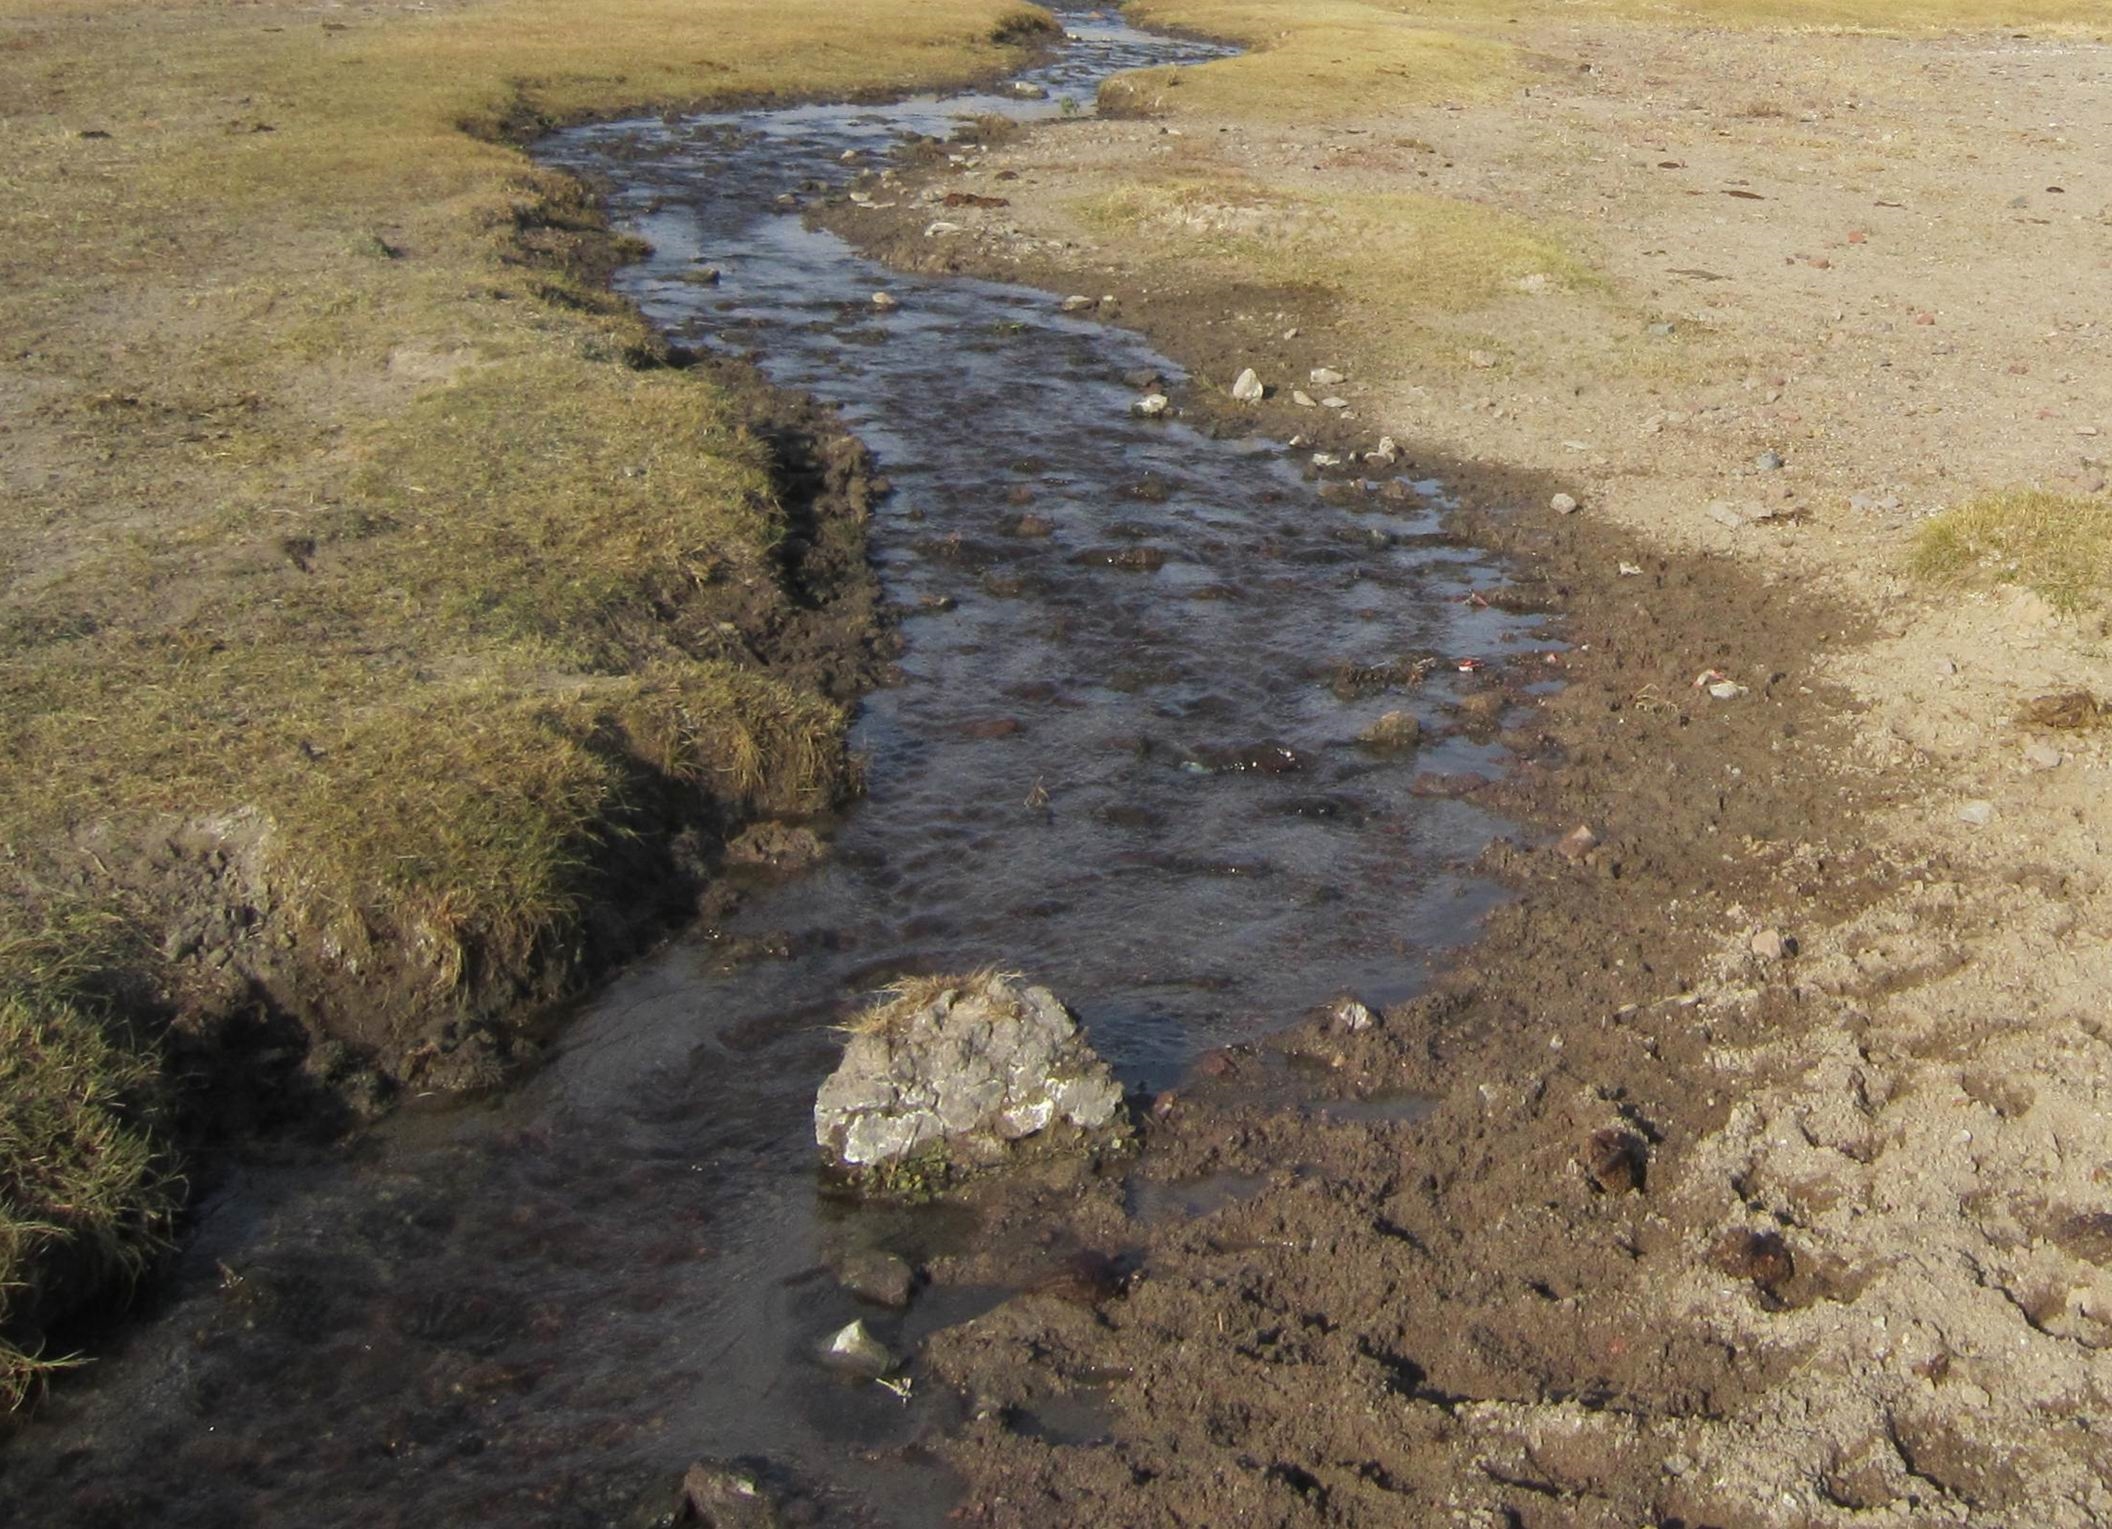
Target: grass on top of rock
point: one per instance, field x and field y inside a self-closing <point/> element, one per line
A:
<point x="348" y="524"/>
<point x="903" y="999"/>
<point x="2057" y="545"/>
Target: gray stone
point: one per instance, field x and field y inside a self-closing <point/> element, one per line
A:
<point x="1768" y="461"/>
<point x="723" y="1497"/>
<point x="886" y="302"/>
<point x="1326" y="376"/>
<point x="1076" y="304"/>
<point x="1247" y="387"/>
<point x="1151" y="406"/>
<point x="857" y="1352"/>
<point x="967" y="1066"/>
<point x="1027" y="90"/>
<point x="1563" y="504"/>
<point x="1978" y="814"/>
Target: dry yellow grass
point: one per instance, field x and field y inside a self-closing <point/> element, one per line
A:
<point x="2058" y="545"/>
<point x="340" y="511"/>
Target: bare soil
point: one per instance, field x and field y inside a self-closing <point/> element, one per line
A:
<point x="1765" y="1179"/>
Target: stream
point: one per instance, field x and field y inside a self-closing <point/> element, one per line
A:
<point x="1120" y="761"/>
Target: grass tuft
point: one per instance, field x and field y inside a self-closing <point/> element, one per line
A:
<point x="86" y="1193"/>
<point x="2057" y="545"/>
<point x="902" y="999"/>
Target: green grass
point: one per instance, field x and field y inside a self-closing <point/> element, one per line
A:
<point x="2058" y="545"/>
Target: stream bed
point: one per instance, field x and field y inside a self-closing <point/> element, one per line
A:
<point x="1122" y="760"/>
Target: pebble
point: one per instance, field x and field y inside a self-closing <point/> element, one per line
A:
<point x="1480" y="359"/>
<point x="1563" y="504"/>
<point x="2041" y="755"/>
<point x="886" y="302"/>
<point x="1762" y="1257"/>
<point x="1661" y="330"/>
<point x="853" y="1349"/>
<point x="1027" y="90"/>
<point x="941" y="229"/>
<point x="1326" y="459"/>
<point x="1726" y="690"/>
<point x="1386" y="451"/>
<point x="1303" y="399"/>
<point x="1332" y="402"/>
<point x="1076" y="304"/>
<point x="1290" y="334"/>
<point x="1396" y="730"/>
<point x="1351" y="1015"/>
<point x="1773" y="945"/>
<point x="1977" y="813"/>
<point x="1144" y="378"/>
<point x="874" y="1275"/>
<point x="1577" y="843"/>
<point x="1247" y="387"/>
<point x="1151" y="406"/>
<point x="1768" y="461"/>
<point x="1326" y="376"/>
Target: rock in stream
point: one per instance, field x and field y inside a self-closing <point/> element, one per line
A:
<point x="962" y="1067"/>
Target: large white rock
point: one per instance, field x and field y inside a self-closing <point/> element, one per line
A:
<point x="972" y="1065"/>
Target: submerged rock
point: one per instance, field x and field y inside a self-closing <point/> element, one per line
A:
<point x="725" y="1497"/>
<point x="964" y="1067"/>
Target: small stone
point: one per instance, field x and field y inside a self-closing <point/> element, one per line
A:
<point x="1076" y="304"/>
<point x="1726" y="690"/>
<point x="703" y="275"/>
<point x="1577" y="843"/>
<point x="1773" y="945"/>
<point x="1027" y="90"/>
<point x="2041" y="755"/>
<point x="1563" y="504"/>
<point x="1768" y="461"/>
<point x="1145" y="379"/>
<point x="872" y="1274"/>
<point x="1616" y="1161"/>
<point x="1394" y="732"/>
<point x="1725" y="514"/>
<point x="1977" y="814"/>
<point x="1661" y="330"/>
<point x="1350" y="1015"/>
<point x="1325" y="376"/>
<point x="1386" y="451"/>
<point x="1247" y="387"/>
<point x="726" y="1498"/>
<point x="856" y="1351"/>
<point x="1480" y="359"/>
<point x="1303" y="399"/>
<point x="1151" y="406"/>
<point x="941" y="229"/>
<point x="1326" y="459"/>
<point x="1332" y="402"/>
<point x="886" y="302"/>
<point x="1290" y="334"/>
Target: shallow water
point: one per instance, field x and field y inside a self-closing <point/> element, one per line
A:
<point x="540" y="1310"/>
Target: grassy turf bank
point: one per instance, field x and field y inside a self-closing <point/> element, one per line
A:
<point x="366" y="583"/>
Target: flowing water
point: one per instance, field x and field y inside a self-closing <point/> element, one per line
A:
<point x="1115" y="763"/>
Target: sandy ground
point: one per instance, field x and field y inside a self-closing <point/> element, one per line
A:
<point x="1833" y="982"/>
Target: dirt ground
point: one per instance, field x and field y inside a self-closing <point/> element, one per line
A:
<point x="1767" y="1177"/>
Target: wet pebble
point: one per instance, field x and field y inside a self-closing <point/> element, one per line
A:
<point x="875" y="1275"/>
<point x="1151" y="406"/>
<point x="724" y="1497"/>
<point x="855" y="1351"/>
<point x="1395" y="732"/>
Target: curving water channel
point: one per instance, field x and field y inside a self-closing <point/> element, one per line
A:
<point x="540" y="1310"/>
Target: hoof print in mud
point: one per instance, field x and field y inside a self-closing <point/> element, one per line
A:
<point x="1616" y="1161"/>
<point x="951" y="1072"/>
<point x="1760" y="1256"/>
